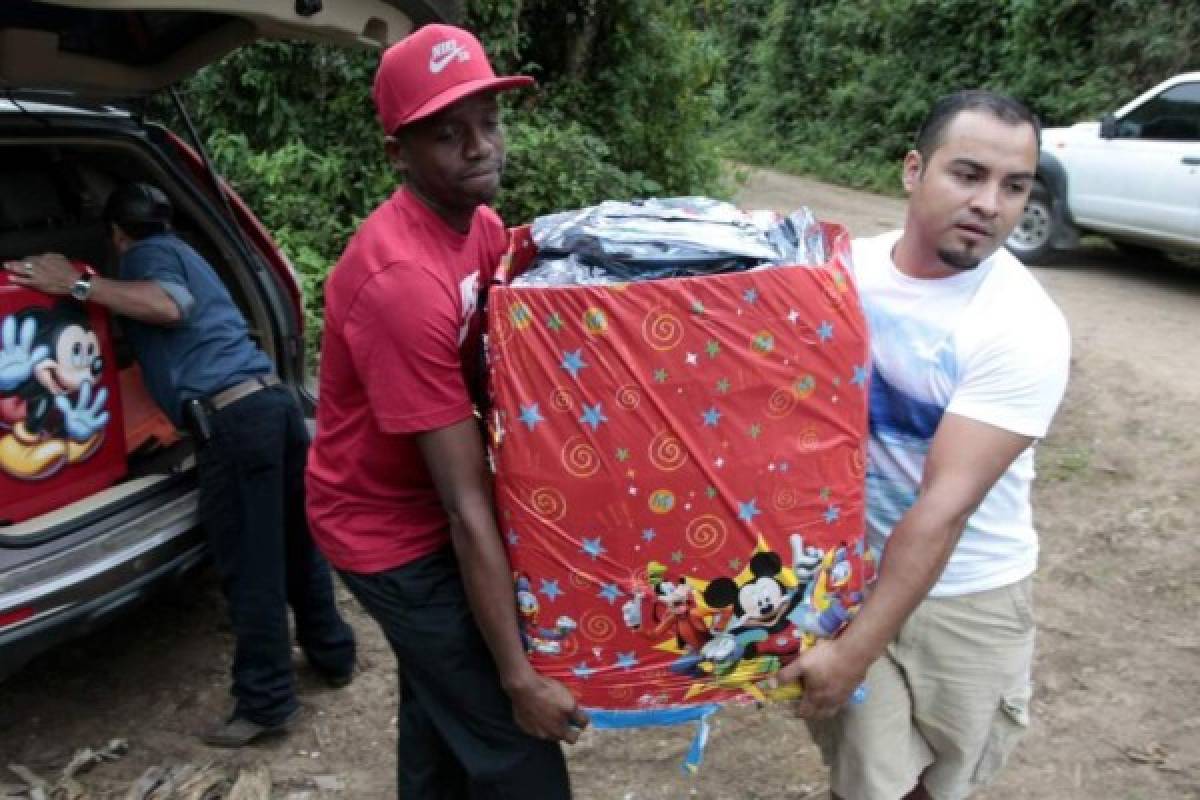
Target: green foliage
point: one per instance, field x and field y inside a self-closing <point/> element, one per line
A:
<point x="554" y="163"/>
<point x="647" y="77"/>
<point x="291" y="126"/>
<point x="632" y="94"/>
<point x="839" y="87"/>
<point x="311" y="202"/>
<point x="278" y="93"/>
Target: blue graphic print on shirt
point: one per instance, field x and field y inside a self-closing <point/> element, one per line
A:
<point x="906" y="407"/>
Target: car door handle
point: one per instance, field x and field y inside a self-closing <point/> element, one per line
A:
<point x="1192" y="161"/>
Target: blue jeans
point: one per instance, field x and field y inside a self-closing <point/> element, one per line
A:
<point x="457" y="737"/>
<point x="251" y="476"/>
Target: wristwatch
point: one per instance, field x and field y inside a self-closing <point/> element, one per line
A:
<point x="82" y="288"/>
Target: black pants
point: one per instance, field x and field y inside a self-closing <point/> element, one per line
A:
<point x="457" y="737"/>
<point x="252" y="507"/>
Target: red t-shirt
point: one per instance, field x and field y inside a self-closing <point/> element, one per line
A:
<point x="401" y="328"/>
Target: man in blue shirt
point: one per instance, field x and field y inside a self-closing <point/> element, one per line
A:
<point x="202" y="368"/>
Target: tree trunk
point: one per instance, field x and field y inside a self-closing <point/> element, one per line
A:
<point x="581" y="41"/>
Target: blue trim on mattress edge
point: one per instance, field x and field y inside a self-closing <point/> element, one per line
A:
<point x="606" y="719"/>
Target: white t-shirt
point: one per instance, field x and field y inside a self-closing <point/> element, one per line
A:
<point x="988" y="344"/>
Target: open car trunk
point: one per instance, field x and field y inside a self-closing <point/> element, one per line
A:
<point x="70" y="564"/>
<point x="119" y="48"/>
<point x="62" y="152"/>
<point x="52" y="188"/>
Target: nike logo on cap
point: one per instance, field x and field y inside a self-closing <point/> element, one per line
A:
<point x="444" y="53"/>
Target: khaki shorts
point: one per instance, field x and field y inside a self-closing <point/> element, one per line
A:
<point x="951" y="695"/>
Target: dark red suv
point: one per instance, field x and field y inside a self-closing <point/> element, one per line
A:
<point x="67" y="138"/>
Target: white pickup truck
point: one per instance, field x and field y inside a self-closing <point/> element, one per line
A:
<point x="1133" y="177"/>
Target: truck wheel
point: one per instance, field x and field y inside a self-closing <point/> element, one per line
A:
<point x="1032" y="239"/>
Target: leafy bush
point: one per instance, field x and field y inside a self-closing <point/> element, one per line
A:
<point x="838" y="87"/>
<point x="291" y="126"/>
<point x="305" y="199"/>
<point x="555" y="163"/>
<point x="648" y="86"/>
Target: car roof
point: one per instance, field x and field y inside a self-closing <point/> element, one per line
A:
<point x="132" y="47"/>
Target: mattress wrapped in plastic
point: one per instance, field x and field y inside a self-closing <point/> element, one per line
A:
<point x="679" y="461"/>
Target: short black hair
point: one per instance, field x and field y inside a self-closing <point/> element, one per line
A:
<point x="1001" y="106"/>
<point x="138" y="209"/>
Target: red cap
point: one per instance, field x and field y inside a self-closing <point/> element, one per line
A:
<point x="430" y="69"/>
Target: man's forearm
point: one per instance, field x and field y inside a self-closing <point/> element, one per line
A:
<point x="488" y="581"/>
<point x="916" y="554"/>
<point x="144" y="301"/>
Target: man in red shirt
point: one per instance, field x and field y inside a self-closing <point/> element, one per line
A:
<point x="398" y="492"/>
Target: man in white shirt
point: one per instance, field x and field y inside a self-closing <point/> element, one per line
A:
<point x="970" y="361"/>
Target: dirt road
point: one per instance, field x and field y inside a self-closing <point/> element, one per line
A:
<point x="1118" y="670"/>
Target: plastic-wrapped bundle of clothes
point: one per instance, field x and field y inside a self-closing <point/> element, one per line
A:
<point x="619" y="242"/>
<point x="678" y="425"/>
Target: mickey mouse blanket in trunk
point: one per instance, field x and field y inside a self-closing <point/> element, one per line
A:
<point x="679" y="478"/>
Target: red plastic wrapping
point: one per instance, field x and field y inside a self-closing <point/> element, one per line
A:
<point x="679" y="474"/>
<point x="45" y="462"/>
